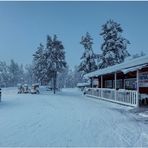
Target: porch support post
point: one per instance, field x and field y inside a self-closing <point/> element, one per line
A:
<point x="91" y="80"/>
<point x="123" y="81"/>
<point x="98" y="82"/>
<point x="101" y="85"/>
<point x="137" y="99"/>
<point x="115" y="85"/>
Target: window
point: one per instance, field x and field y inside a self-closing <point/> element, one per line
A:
<point x="108" y="83"/>
<point x="118" y="84"/>
<point x="130" y="83"/>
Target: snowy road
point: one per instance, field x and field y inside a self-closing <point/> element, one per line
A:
<point x="67" y="119"/>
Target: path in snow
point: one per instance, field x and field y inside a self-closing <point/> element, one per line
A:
<point x="67" y="119"/>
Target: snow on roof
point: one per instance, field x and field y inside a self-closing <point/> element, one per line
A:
<point x="35" y="84"/>
<point x="83" y="84"/>
<point x="141" y="61"/>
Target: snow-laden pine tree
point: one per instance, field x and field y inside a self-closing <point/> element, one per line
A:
<point x="88" y="63"/>
<point x="28" y="75"/>
<point x="39" y="65"/>
<point x="62" y="78"/>
<point x="78" y="76"/>
<point x="11" y="74"/>
<point x="70" y="81"/>
<point x="21" y="74"/>
<point x="14" y="73"/>
<point x="69" y="78"/>
<point x="4" y="74"/>
<point x="138" y="55"/>
<point x="55" y="57"/>
<point x="114" y="46"/>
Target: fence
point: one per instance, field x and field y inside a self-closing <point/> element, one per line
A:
<point x="126" y="97"/>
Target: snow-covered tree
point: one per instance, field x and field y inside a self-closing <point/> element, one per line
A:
<point x="114" y="45"/>
<point x="4" y="74"/>
<point x="138" y="55"/>
<point x="69" y="78"/>
<point x="78" y="76"/>
<point x="62" y="78"/>
<point x="28" y="75"/>
<point x="39" y="65"/>
<point x="55" y="56"/>
<point x="88" y="63"/>
<point x="14" y="73"/>
<point x="21" y="74"/>
<point x="11" y="74"/>
<point x="70" y="81"/>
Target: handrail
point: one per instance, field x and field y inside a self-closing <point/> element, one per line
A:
<point x="128" y="97"/>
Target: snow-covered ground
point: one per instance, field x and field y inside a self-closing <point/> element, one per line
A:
<point x="67" y="119"/>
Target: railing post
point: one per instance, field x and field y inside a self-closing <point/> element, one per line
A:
<point x="137" y="96"/>
<point x="91" y="82"/>
<point x="115" y="86"/>
<point x="101" y="86"/>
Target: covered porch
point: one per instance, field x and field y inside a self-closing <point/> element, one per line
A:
<point x="114" y="88"/>
<point x="127" y="85"/>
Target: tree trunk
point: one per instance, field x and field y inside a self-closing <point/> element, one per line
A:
<point x="54" y="82"/>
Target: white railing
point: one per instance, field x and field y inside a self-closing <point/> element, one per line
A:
<point x="108" y="93"/>
<point x="93" y="92"/>
<point x="127" y="97"/>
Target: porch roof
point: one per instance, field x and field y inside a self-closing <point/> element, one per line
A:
<point x="83" y="84"/>
<point x="127" y="66"/>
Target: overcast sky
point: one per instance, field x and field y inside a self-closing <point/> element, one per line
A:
<point x="23" y="25"/>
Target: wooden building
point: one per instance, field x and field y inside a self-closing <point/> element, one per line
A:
<point x="125" y="83"/>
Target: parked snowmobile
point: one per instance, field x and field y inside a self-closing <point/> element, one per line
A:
<point x="26" y="88"/>
<point x="20" y="88"/>
<point x="35" y="89"/>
